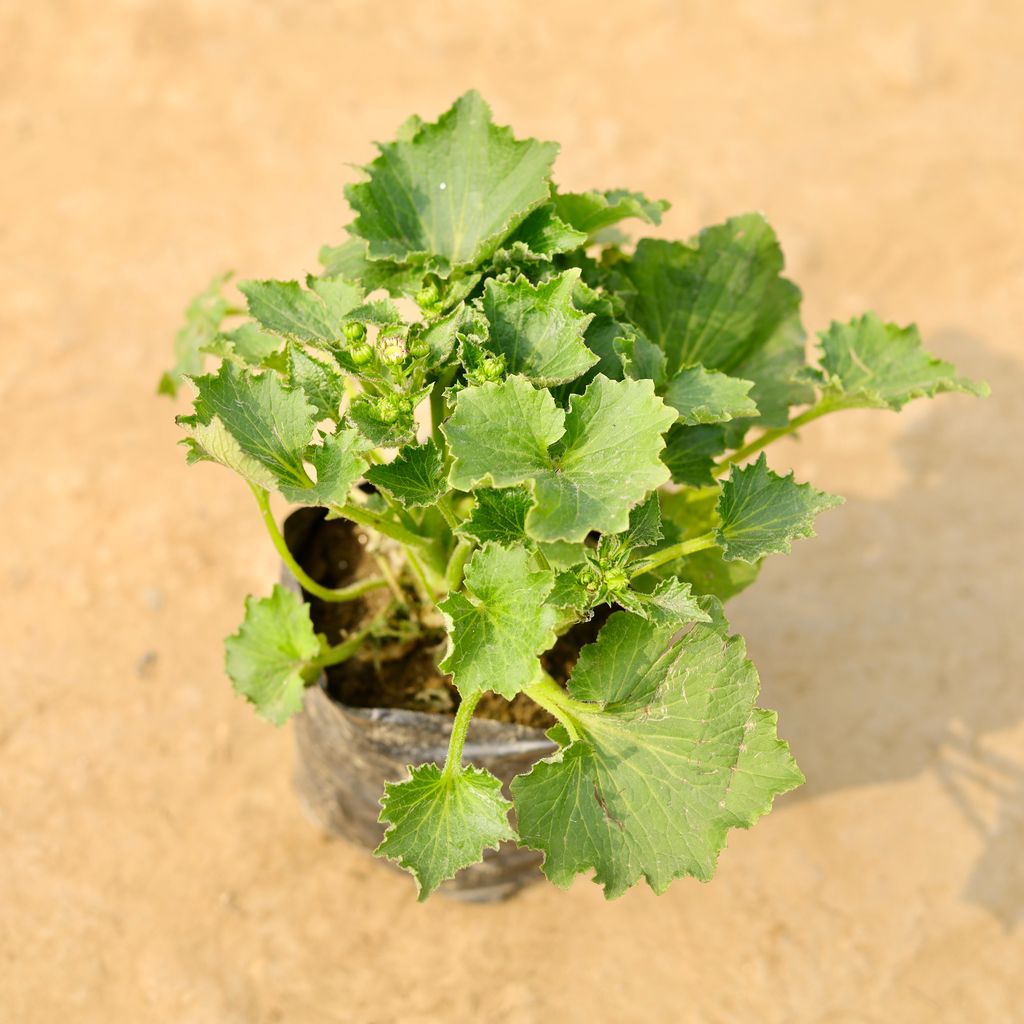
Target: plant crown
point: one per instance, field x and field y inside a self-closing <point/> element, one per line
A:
<point x="593" y="408"/>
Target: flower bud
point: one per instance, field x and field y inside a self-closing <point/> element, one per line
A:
<point x="354" y="331"/>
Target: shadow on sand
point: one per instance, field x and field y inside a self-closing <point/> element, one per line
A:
<point x="895" y="645"/>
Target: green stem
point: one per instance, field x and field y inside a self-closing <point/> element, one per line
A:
<point x="674" y="551"/>
<point x="351" y="644"/>
<point x="309" y="584"/>
<point x="453" y="760"/>
<point x="553" y="699"/>
<point x="816" y="411"/>
<point x="437" y="412"/>
<point x="426" y="591"/>
<point x="444" y="506"/>
<point x="375" y="521"/>
<point x="457" y="564"/>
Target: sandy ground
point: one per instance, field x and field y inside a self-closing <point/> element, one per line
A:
<point x="154" y="865"/>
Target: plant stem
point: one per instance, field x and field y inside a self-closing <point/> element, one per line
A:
<point x="437" y="411"/>
<point x="553" y="699"/>
<point x="309" y="584"/>
<point x="419" y="576"/>
<point x="351" y="644"/>
<point x="821" y="409"/>
<point x="669" y="554"/>
<point x="453" y="760"/>
<point x="444" y="506"/>
<point x="457" y="564"/>
<point x="374" y="520"/>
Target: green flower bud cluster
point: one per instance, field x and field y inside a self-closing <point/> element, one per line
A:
<point x="392" y="407"/>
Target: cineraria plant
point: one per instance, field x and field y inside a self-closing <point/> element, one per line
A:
<point x="543" y="420"/>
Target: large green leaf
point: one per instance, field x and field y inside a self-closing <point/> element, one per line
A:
<point x="869" y="363"/>
<point x="451" y="192"/>
<point x="715" y="302"/>
<point x="440" y="823"/>
<point x="670" y="753"/>
<point x="537" y="329"/>
<point x="269" y="659"/>
<point x="761" y="512"/>
<point x="499" y="623"/>
<point x="264" y="431"/>
<point x="586" y="468"/>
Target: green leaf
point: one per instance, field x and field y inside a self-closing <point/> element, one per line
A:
<point x="379" y="312"/>
<point x="338" y="463"/>
<point x="714" y="302"/>
<point x="265" y="432"/>
<point x="441" y="823"/>
<point x="778" y="369"/>
<point x="321" y="383"/>
<point x="869" y="363"/>
<point x="452" y="192"/>
<point x="641" y="359"/>
<point x="250" y="345"/>
<point x="349" y="261"/>
<point x="314" y="314"/>
<point x="537" y="329"/>
<point x="686" y="515"/>
<point x="671" y="602"/>
<point x="270" y="425"/>
<point x="703" y="396"/>
<point x="499" y="623"/>
<point x="541" y="236"/>
<point x="591" y="212"/>
<point x="644" y="523"/>
<point x="690" y="453"/>
<point x="415" y="477"/>
<point x="203" y="317"/>
<point x="440" y="335"/>
<point x="761" y="512"/>
<point x="499" y="516"/>
<point x="671" y="754"/>
<point x="268" y="659"/>
<point x="605" y="461"/>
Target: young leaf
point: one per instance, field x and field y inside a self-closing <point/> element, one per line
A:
<point x="349" y="261"/>
<point x="499" y="624"/>
<point x="338" y="463"/>
<point x="440" y="335"/>
<point x="454" y="191"/>
<point x="713" y="303"/>
<point x="708" y="396"/>
<point x="415" y="477"/>
<point x="387" y="421"/>
<point x="537" y="329"/>
<point x="869" y="363"/>
<point x="439" y="824"/>
<point x="591" y="212"/>
<point x="203" y="317"/>
<point x="250" y="345"/>
<point x="268" y="658"/>
<point x="760" y="512"/>
<point x="315" y="314"/>
<point x="605" y="461"/>
<point x="499" y="516"/>
<point x="671" y="754"/>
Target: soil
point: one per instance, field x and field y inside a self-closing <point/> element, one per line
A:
<point x="155" y="866"/>
<point x="404" y="674"/>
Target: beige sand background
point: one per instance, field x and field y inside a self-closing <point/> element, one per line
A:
<point x="154" y="865"/>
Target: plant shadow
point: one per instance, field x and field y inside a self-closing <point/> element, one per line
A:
<point x="890" y="648"/>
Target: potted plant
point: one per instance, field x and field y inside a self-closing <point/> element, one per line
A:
<point x="530" y="463"/>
